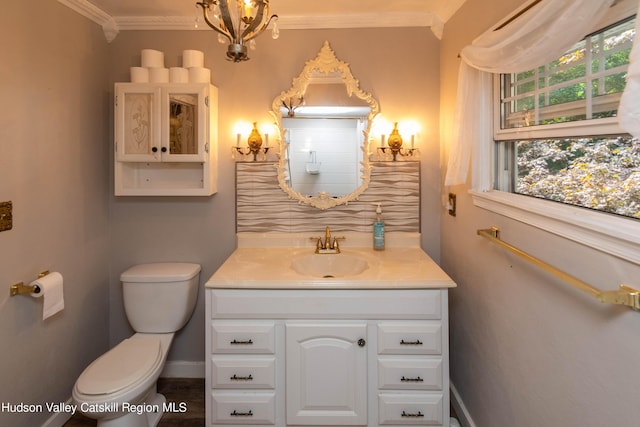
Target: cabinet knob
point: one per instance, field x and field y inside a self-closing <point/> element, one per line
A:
<point x="163" y="149"/>
<point x="361" y="342"/>
<point x="154" y="149"/>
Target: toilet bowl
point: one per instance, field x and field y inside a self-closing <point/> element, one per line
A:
<point x="119" y="389"/>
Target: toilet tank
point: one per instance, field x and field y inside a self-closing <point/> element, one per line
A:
<point x="160" y="297"/>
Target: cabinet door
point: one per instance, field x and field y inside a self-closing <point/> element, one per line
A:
<point x="137" y="122"/>
<point x="326" y="373"/>
<point x="184" y="130"/>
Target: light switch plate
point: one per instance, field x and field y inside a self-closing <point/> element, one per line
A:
<point x="6" y="216"/>
<point x="452" y="204"/>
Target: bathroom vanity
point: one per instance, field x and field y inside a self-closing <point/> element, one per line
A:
<point x="289" y="346"/>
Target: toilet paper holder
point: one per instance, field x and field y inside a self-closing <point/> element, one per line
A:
<point x="20" y="288"/>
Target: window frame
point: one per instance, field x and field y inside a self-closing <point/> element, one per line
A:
<point x="609" y="233"/>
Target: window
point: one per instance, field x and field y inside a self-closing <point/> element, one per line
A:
<point x="549" y="129"/>
<point x="563" y="158"/>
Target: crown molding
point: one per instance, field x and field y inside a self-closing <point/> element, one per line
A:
<point x="97" y="15"/>
<point x="113" y="25"/>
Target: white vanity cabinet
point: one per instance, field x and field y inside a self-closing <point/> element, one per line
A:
<point x="327" y="357"/>
<point x="165" y="139"/>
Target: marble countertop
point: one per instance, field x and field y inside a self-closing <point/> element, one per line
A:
<point x="265" y="262"/>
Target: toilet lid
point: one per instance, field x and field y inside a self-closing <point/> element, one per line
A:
<point x="121" y="366"/>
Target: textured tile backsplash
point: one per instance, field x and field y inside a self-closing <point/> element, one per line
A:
<point x="262" y="206"/>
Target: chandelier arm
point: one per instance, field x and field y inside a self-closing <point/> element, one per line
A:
<point x="259" y="31"/>
<point x="226" y="19"/>
<point x="205" y="8"/>
<point x="262" y="5"/>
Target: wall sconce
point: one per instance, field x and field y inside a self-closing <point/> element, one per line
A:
<point x="254" y="146"/>
<point x="394" y="146"/>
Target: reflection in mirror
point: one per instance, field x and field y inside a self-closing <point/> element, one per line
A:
<point x="324" y="121"/>
<point x="182" y="124"/>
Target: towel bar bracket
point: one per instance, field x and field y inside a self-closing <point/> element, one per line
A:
<point x="625" y="296"/>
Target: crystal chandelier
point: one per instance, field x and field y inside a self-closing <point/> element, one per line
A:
<point x="238" y="22"/>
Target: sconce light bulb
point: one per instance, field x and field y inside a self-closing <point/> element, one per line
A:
<point x="275" y="31"/>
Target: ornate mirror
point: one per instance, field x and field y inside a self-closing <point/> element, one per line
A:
<point x="324" y="121"/>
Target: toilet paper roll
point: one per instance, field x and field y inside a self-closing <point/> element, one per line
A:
<point x="178" y="75"/>
<point x="139" y="74"/>
<point x="152" y="58"/>
<point x="159" y="75"/>
<point x="51" y="290"/>
<point x="199" y="75"/>
<point x="192" y="58"/>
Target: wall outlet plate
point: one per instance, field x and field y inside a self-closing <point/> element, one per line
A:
<point x="6" y="216"/>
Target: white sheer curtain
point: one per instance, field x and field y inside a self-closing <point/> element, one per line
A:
<point x="629" y="110"/>
<point x="537" y="37"/>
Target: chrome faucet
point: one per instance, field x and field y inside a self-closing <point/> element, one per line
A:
<point x="328" y="246"/>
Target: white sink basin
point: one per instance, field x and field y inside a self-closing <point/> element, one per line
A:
<point x="329" y="265"/>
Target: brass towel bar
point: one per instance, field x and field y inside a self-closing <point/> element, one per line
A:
<point x="626" y="295"/>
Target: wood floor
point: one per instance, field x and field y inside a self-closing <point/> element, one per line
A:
<point x="189" y="391"/>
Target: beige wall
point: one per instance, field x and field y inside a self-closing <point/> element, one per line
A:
<point x="54" y="126"/>
<point x="398" y="66"/>
<point x="526" y="350"/>
<point x="56" y="132"/>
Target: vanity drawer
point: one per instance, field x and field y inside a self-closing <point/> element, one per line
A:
<point x="243" y="372"/>
<point x="243" y="408"/>
<point x="403" y="373"/>
<point x="242" y="337"/>
<point x="326" y="304"/>
<point x="410" y="338"/>
<point x="420" y="409"/>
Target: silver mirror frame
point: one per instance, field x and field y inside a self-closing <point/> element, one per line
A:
<point x="325" y="63"/>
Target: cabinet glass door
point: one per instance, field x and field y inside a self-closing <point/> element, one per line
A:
<point x="137" y="124"/>
<point x="185" y="131"/>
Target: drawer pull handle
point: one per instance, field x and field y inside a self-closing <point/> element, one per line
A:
<point x="416" y="342"/>
<point x="408" y="380"/>
<point x="241" y="414"/>
<point x="237" y="378"/>
<point x="419" y="414"/>
<point x="236" y="342"/>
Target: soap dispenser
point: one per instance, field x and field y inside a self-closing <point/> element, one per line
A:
<point x="378" y="230"/>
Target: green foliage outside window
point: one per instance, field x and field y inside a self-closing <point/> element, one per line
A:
<point x="598" y="173"/>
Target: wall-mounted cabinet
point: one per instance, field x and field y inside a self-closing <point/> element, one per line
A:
<point x="165" y="139"/>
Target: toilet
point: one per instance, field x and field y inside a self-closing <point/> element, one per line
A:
<point x="119" y="388"/>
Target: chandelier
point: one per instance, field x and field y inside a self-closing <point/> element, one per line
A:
<point x="238" y="22"/>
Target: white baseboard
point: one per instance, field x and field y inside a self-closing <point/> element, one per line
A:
<point x="461" y="411"/>
<point x="183" y="369"/>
